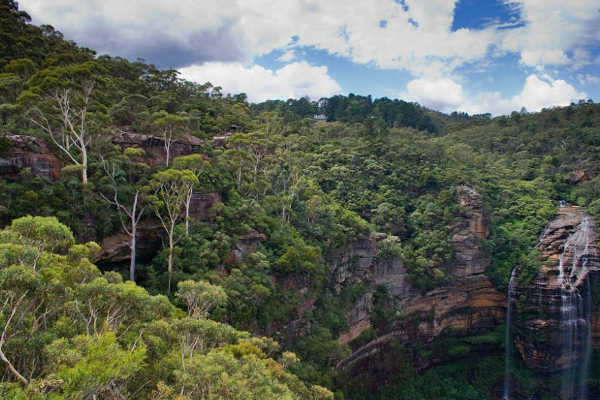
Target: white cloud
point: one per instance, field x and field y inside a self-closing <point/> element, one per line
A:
<point x="292" y="81"/>
<point x="230" y="34"/>
<point x="543" y="57"/>
<point x="440" y="94"/>
<point x="554" y="29"/>
<point x="539" y="91"/>
<point x="200" y="31"/>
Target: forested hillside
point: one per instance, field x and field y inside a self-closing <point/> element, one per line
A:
<point x="220" y="220"/>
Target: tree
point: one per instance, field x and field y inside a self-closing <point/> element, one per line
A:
<point x="170" y="127"/>
<point x="257" y="146"/>
<point x="201" y="168"/>
<point x="94" y="366"/>
<point x="61" y="98"/>
<point x="126" y="195"/>
<point x="169" y="191"/>
<point x="200" y="297"/>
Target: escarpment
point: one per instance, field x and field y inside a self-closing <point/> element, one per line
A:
<point x="467" y="305"/>
<point x="555" y="310"/>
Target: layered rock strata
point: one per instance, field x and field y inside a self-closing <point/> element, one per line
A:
<point x="467" y="305"/>
<point x="23" y="151"/>
<point x="554" y="309"/>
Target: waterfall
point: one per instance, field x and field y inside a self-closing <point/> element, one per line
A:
<point x="587" y="346"/>
<point x="507" y="338"/>
<point x="575" y="313"/>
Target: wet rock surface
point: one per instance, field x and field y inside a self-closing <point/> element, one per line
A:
<point x="551" y="328"/>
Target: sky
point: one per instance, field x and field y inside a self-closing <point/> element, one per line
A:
<point x="475" y="56"/>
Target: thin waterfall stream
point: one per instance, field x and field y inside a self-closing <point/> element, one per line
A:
<point x="575" y="313"/>
<point x="507" y="339"/>
<point x="568" y="293"/>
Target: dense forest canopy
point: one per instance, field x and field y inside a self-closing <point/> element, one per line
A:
<point x="291" y="189"/>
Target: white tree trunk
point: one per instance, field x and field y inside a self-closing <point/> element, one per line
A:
<point x="170" y="261"/>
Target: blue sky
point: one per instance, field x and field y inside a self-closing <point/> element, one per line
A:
<point x="469" y="55"/>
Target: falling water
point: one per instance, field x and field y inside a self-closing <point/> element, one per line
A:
<point x="575" y="313"/>
<point x="587" y="347"/>
<point x="507" y="339"/>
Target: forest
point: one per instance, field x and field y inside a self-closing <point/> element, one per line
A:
<point x="176" y="241"/>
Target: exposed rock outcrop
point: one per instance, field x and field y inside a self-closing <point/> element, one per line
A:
<point x="570" y="258"/>
<point x="467" y="305"/>
<point x="28" y="152"/>
<point x="154" y="146"/>
<point x="115" y="248"/>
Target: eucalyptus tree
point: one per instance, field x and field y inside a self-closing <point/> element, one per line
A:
<point x="60" y="103"/>
<point x="202" y="170"/>
<point x="168" y="192"/>
<point x="170" y="127"/>
<point x="125" y="176"/>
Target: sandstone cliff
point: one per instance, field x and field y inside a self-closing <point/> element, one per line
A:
<point x="467" y="305"/>
<point x="28" y="152"/>
<point x="570" y="264"/>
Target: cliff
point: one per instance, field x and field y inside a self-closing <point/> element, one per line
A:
<point x="557" y="303"/>
<point x="467" y="305"/>
<point x="22" y="152"/>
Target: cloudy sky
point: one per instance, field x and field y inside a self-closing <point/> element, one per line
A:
<point x="470" y="55"/>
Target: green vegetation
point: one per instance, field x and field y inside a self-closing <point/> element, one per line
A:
<point x="70" y="331"/>
<point x="290" y="190"/>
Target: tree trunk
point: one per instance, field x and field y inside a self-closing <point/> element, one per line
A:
<point x="188" y="200"/>
<point x="168" y="148"/>
<point x="132" y="247"/>
<point x="134" y="222"/>
<point x="12" y="368"/>
<point x="84" y="177"/>
<point x="170" y="262"/>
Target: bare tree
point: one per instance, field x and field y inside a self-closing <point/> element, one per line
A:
<point x="71" y="134"/>
<point x="199" y="167"/>
<point x="133" y="211"/>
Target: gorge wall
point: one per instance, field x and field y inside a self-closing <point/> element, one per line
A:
<point x="556" y="324"/>
<point x="555" y="321"/>
<point x="468" y="305"/>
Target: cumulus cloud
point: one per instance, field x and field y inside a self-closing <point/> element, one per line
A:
<point x="440" y="94"/>
<point x="417" y="36"/>
<point x="416" y="33"/>
<point x="292" y="81"/>
<point x="168" y="34"/>
<point x="542" y="91"/>
<point x="539" y="91"/>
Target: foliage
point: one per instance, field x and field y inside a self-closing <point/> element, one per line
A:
<point x="71" y="332"/>
<point x="288" y="193"/>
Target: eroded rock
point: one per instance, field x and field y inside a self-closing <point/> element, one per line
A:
<point x="29" y="152"/>
<point x="468" y="305"/>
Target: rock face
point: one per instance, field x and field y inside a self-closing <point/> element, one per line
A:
<point x="154" y="146"/>
<point x="201" y="206"/>
<point x="31" y="152"/>
<point x="468" y="305"/>
<point x="555" y="307"/>
<point x="28" y="152"/>
<point x="115" y="248"/>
